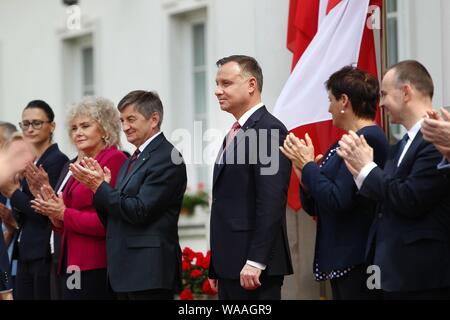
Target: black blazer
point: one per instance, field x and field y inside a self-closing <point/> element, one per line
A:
<point x="248" y="215"/>
<point x="344" y="217"/>
<point x="411" y="231"/>
<point x="35" y="239"/>
<point x="141" y="218"/>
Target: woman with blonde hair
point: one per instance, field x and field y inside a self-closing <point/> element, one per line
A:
<point x="94" y="129"/>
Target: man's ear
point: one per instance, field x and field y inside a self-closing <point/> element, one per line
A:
<point x="407" y="92"/>
<point x="252" y="85"/>
<point x="155" y="119"/>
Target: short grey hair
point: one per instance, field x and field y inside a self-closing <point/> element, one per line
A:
<point x="102" y="110"/>
<point x="9" y="129"/>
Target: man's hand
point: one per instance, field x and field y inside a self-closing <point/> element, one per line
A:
<point x="355" y="151"/>
<point x="250" y="277"/>
<point x="89" y="173"/>
<point x="36" y="178"/>
<point x="436" y="130"/>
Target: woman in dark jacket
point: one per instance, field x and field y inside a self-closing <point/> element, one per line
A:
<point x="33" y="244"/>
<point x="328" y="190"/>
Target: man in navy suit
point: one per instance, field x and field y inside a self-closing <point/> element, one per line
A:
<point x="410" y="238"/>
<point x="141" y="213"/>
<point x="249" y="245"/>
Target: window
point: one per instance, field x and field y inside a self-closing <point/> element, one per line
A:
<point x="393" y="49"/>
<point x="392" y="31"/>
<point x="190" y="89"/>
<point x="87" y="62"/>
<point x="78" y="68"/>
<point x="199" y="90"/>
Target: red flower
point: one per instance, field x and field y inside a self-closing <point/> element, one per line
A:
<point x="201" y="186"/>
<point x="186" y="294"/>
<point x="196" y="273"/>
<point x="206" y="261"/>
<point x="206" y="288"/>
<point x="188" y="254"/>
<point x="199" y="260"/>
<point x="185" y="265"/>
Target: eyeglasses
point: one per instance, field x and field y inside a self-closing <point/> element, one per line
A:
<point x="36" y="124"/>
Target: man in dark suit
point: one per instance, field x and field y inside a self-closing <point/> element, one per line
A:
<point x="249" y="245"/>
<point x="410" y="238"/>
<point x="141" y="214"/>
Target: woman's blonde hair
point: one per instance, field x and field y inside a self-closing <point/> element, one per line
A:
<point x="103" y="112"/>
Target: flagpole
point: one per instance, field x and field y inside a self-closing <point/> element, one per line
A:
<point x="384" y="61"/>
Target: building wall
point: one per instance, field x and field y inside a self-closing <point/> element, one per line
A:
<point x="424" y="33"/>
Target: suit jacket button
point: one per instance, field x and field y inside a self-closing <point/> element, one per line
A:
<point x="380" y="215"/>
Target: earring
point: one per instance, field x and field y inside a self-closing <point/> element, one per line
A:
<point x="342" y="111"/>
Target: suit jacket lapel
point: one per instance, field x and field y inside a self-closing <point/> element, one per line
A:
<point x="146" y="154"/>
<point x="390" y="167"/>
<point x="250" y="123"/>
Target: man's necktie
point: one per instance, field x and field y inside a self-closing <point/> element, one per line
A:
<point x="133" y="160"/>
<point x="234" y="130"/>
<point x="401" y="145"/>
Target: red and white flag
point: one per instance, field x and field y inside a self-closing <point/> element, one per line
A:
<point x="324" y="36"/>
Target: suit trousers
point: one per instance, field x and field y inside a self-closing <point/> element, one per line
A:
<point x="33" y="280"/>
<point x="270" y="289"/>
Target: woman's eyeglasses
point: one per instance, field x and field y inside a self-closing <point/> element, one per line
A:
<point x="36" y="124"/>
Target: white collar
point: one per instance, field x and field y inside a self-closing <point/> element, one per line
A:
<point x="243" y="119"/>
<point x="147" y="142"/>
<point x="414" y="130"/>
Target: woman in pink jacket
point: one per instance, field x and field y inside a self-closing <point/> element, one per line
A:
<point x="94" y="129"/>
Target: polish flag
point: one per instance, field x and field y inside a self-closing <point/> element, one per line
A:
<point x="324" y="36"/>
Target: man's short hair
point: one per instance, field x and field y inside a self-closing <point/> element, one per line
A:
<point x="145" y="102"/>
<point x="414" y="73"/>
<point x="248" y="65"/>
<point x="9" y="129"/>
<point x="361" y="88"/>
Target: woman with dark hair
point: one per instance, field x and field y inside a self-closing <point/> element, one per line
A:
<point x="329" y="192"/>
<point x="32" y="248"/>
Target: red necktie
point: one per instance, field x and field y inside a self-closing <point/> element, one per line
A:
<point x="234" y="130"/>
<point x="133" y="160"/>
